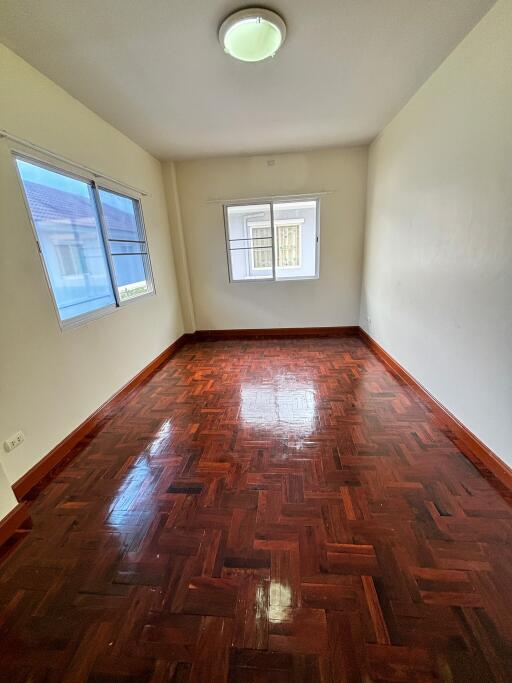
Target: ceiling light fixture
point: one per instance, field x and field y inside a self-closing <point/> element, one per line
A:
<point x="253" y="34"/>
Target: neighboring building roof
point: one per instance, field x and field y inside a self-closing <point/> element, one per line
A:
<point x="50" y="204"/>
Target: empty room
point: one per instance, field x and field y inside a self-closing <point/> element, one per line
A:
<point x="256" y="341"/>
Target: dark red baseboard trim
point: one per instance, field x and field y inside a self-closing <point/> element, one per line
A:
<point x="31" y="479"/>
<point x="16" y="522"/>
<point x="474" y="449"/>
<point x="275" y="332"/>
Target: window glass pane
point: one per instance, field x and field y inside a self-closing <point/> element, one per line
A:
<point x="288" y="245"/>
<point x="296" y="230"/>
<point x="261" y="247"/>
<point x="249" y="242"/>
<point x="131" y="276"/>
<point x="69" y="236"/>
<point x="127" y="244"/>
<point x="121" y="216"/>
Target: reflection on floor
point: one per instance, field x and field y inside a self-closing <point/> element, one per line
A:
<point x="264" y="511"/>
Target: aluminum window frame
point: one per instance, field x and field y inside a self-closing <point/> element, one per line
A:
<point x="241" y="203"/>
<point x="270" y="201"/>
<point x="39" y="159"/>
<point x="139" y="217"/>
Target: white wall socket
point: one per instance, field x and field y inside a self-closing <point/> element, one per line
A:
<point x="13" y="441"/>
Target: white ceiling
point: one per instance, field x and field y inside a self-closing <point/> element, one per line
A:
<point x="154" y="68"/>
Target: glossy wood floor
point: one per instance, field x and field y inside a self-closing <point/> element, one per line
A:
<point x="264" y="511"/>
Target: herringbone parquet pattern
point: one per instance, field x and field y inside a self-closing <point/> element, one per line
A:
<point x="264" y="511"/>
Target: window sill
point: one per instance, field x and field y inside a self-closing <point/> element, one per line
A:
<point x="80" y="321"/>
<point x="277" y="280"/>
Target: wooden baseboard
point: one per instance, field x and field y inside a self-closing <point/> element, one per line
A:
<point x="275" y="333"/>
<point x="41" y="469"/>
<point x="17" y="521"/>
<point x="476" y="451"/>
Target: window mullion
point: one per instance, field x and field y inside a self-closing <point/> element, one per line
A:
<point x="106" y="245"/>
<point x="274" y="242"/>
<point x="148" y="270"/>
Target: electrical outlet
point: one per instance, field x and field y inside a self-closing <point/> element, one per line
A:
<point x="13" y="441"/>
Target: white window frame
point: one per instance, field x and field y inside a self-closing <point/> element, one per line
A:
<point x="39" y="159"/>
<point x="106" y="240"/>
<point x="286" y="221"/>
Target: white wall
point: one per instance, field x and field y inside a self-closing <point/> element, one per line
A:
<point x="333" y="299"/>
<point x="52" y="380"/>
<point x="437" y="289"/>
<point x="178" y="241"/>
<point x="7" y="498"/>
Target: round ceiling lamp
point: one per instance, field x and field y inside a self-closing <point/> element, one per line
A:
<point x="253" y="34"/>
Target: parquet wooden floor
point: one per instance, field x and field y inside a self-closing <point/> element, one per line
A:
<point x="263" y="511"/>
